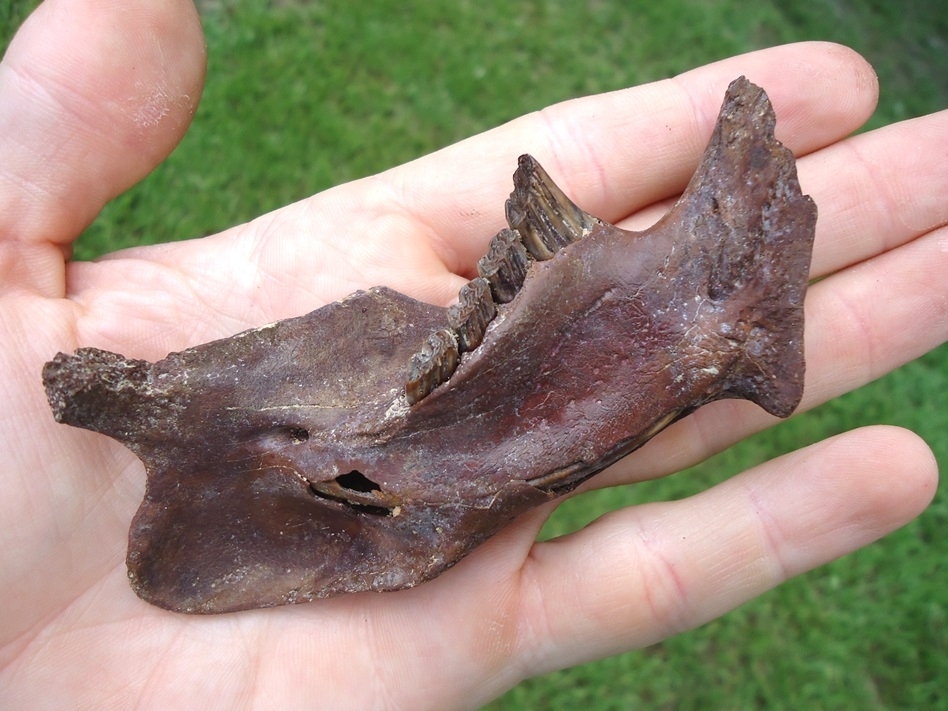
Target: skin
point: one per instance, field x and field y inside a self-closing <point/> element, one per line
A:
<point x="94" y="94"/>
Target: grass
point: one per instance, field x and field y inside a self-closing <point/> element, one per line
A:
<point x="866" y="632"/>
<point x="302" y="96"/>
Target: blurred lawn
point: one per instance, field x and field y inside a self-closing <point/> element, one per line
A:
<point x="302" y="96"/>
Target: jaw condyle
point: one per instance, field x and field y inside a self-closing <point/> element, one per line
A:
<point x="372" y="443"/>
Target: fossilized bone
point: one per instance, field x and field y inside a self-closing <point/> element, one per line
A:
<point x="371" y="444"/>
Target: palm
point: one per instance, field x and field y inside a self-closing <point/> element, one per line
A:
<point x="511" y="609"/>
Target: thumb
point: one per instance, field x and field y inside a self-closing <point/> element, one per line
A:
<point x="93" y="95"/>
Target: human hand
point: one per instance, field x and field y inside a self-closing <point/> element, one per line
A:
<point x="90" y="103"/>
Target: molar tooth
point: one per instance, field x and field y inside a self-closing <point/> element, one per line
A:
<point x="546" y="219"/>
<point x="432" y="365"/>
<point x="505" y="265"/>
<point x="523" y="220"/>
<point x="470" y="316"/>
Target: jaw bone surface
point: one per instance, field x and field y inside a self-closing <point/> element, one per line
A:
<point x="371" y="444"/>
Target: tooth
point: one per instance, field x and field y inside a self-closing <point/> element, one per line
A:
<point x="504" y="266"/>
<point x="519" y="218"/>
<point x="432" y="365"/>
<point x="470" y="316"/>
<point x="546" y="219"/>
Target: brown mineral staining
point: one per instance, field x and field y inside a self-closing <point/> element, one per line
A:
<point x="542" y="215"/>
<point x="470" y="316"/>
<point x="504" y="266"/>
<point x="432" y="365"/>
<point x="371" y="444"/>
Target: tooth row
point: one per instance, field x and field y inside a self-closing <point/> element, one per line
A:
<point x="502" y="271"/>
<point x="432" y="365"/>
<point x="542" y="221"/>
<point x="469" y="317"/>
<point x="505" y="265"/>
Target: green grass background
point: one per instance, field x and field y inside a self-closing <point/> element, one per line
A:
<point x="304" y="95"/>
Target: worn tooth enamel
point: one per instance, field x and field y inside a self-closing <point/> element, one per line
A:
<point x="470" y="316"/>
<point x="432" y="365"/>
<point x="505" y="265"/>
<point x="518" y="217"/>
<point x="546" y="219"/>
<point x="447" y="354"/>
<point x="571" y="219"/>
